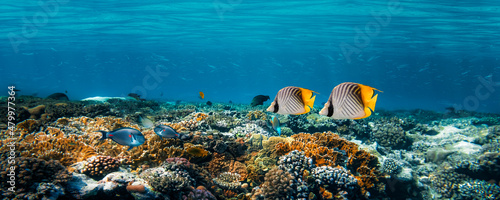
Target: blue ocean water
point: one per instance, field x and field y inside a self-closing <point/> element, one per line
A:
<point x="421" y="54"/>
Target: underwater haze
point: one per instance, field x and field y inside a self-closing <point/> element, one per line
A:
<point x="421" y="54"/>
<point x="250" y="99"/>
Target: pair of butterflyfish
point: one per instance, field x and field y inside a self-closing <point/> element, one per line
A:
<point x="347" y="101"/>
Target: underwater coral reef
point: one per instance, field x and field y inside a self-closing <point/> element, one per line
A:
<point x="226" y="151"/>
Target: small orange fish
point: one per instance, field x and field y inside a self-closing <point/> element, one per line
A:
<point x="202" y="95"/>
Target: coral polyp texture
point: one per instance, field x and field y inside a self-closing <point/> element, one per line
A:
<point x="226" y="151"/>
<point x="100" y="165"/>
<point x="34" y="179"/>
<point x="228" y="181"/>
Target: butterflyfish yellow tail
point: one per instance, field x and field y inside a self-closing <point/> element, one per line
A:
<point x="308" y="99"/>
<point x="368" y="99"/>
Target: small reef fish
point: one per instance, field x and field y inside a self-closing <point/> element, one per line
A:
<point x="259" y="100"/>
<point x="202" y="95"/>
<point x="274" y="124"/>
<point x="293" y="100"/>
<point x="136" y="97"/>
<point x="125" y="136"/>
<point x="147" y="123"/>
<point x="58" y="96"/>
<point x="350" y="101"/>
<point x="165" y="131"/>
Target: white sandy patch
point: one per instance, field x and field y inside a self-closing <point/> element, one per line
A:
<point x="104" y="99"/>
<point x="446" y="132"/>
<point x="466" y="147"/>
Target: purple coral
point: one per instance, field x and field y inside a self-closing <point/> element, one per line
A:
<point x="178" y="161"/>
<point x="200" y="193"/>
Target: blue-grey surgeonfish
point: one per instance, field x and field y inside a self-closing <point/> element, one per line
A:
<point x="125" y="136"/>
<point x="274" y="124"/>
<point x="165" y="131"/>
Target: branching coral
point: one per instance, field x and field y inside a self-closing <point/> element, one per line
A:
<point x="53" y="144"/>
<point x="77" y="140"/>
<point x="28" y="126"/>
<point x="256" y="115"/>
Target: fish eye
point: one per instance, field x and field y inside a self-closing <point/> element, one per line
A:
<point x="129" y="135"/>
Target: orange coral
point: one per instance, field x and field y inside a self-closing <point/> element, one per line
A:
<point x="36" y="112"/>
<point x="256" y="114"/>
<point x="239" y="168"/>
<point x="200" y="116"/>
<point x="324" y="149"/>
<point x="325" y="194"/>
<point x="230" y="194"/>
<point x="53" y="143"/>
<point x="28" y="126"/>
<point x="217" y="164"/>
<point x="196" y="153"/>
